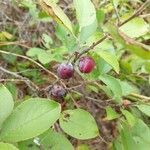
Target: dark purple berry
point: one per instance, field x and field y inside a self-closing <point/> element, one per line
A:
<point x="58" y="91"/>
<point x="65" y="71"/>
<point x="86" y="64"/>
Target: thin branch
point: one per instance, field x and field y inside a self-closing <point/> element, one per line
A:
<point x="101" y="138"/>
<point x="29" y="59"/>
<point x="23" y="44"/>
<point x="116" y="12"/>
<point x="98" y="105"/>
<point x="145" y="15"/>
<point x="29" y="83"/>
<point x="28" y="70"/>
<point x="136" y="13"/>
<point x="87" y="97"/>
<point x="89" y="48"/>
<point x="75" y="103"/>
<point x="140" y="96"/>
<point x="12" y="80"/>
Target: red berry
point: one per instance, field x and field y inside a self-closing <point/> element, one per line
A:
<point x="58" y="91"/>
<point x="86" y="64"/>
<point x="65" y="71"/>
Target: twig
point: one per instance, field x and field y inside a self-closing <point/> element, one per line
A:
<point x="98" y="105"/>
<point x="29" y="83"/>
<point x="33" y="61"/>
<point x="86" y="97"/>
<point x="116" y="12"/>
<point x="101" y="138"/>
<point x="140" y="96"/>
<point x="75" y="103"/>
<point x="12" y="80"/>
<point x="91" y="47"/>
<point x="28" y="70"/>
<point x="76" y="86"/>
<point x="136" y="13"/>
<point x="14" y="43"/>
<point x="145" y="15"/>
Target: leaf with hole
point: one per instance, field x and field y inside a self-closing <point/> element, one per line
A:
<point x="79" y="124"/>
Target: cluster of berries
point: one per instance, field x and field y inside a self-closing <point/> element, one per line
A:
<point x="66" y="70"/>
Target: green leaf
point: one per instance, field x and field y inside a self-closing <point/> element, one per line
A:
<point x="28" y="145"/>
<point x="66" y="38"/>
<point x="141" y="144"/>
<point x="29" y="119"/>
<point x="7" y="146"/>
<point x="127" y="139"/>
<point x="145" y="109"/>
<point x="100" y="15"/>
<point x="44" y="17"/>
<point x="128" y="43"/>
<point x="56" y="141"/>
<point x="111" y="114"/>
<point x="6" y="104"/>
<point x="130" y="118"/>
<point x="142" y="131"/>
<point x="137" y="136"/>
<point x="13" y="89"/>
<point x="115" y="3"/>
<point x="82" y="147"/>
<point x="135" y="28"/>
<point x="55" y="1"/>
<point x="86" y="15"/>
<point x="114" y="85"/>
<point x="117" y="145"/>
<point x="127" y="88"/>
<point x="56" y="13"/>
<point x="5" y="35"/>
<point x="92" y="88"/>
<point x="47" y="40"/>
<point x="110" y="59"/>
<point x="147" y="66"/>
<point x="102" y="66"/>
<point x="43" y="56"/>
<point x="140" y="50"/>
<point x="58" y="54"/>
<point x="48" y="140"/>
<point x="79" y="124"/>
<point x="113" y="30"/>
